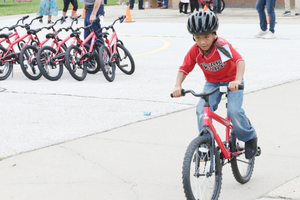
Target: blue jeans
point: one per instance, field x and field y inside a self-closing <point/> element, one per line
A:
<point x="166" y="3"/>
<point x="260" y="7"/>
<point x="243" y="130"/>
<point x="96" y="26"/>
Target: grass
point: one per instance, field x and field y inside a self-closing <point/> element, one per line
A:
<point x="12" y="7"/>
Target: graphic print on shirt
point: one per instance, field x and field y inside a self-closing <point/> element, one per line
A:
<point x="213" y="66"/>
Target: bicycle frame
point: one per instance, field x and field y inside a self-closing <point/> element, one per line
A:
<point x="112" y="42"/>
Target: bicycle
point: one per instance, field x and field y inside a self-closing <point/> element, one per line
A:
<point x="210" y="4"/>
<point x="8" y="56"/>
<point x="51" y="59"/>
<point x="81" y="56"/>
<point x="28" y="55"/>
<point x="115" y="53"/>
<point x="203" y="160"/>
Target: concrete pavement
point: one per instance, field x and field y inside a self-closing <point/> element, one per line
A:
<point x="90" y="139"/>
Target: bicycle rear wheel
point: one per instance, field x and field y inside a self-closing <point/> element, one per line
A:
<point x="198" y="182"/>
<point x="108" y="68"/>
<point x="211" y="5"/>
<point x="75" y="63"/>
<point x="125" y="61"/>
<point x="242" y="168"/>
<point x="50" y="68"/>
<point x="28" y="62"/>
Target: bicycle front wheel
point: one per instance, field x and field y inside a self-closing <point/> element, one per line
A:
<point x="50" y="68"/>
<point x="5" y="67"/>
<point x="198" y="181"/>
<point x="108" y="68"/>
<point x="76" y="64"/>
<point x="242" y="168"/>
<point x="28" y="62"/>
<point x="211" y="5"/>
<point x="124" y="60"/>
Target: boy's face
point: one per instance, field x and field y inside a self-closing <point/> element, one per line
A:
<point x="205" y="41"/>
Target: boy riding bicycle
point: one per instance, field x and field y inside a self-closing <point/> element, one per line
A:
<point x="221" y="65"/>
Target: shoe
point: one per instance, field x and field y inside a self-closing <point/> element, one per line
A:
<point x="251" y="148"/>
<point x="297" y="14"/>
<point x="181" y="14"/>
<point x="261" y="34"/>
<point x="164" y="7"/>
<point x="269" y="35"/>
<point x="141" y="8"/>
<point x="131" y="8"/>
<point x="50" y="22"/>
<point x="41" y="21"/>
<point x="287" y="13"/>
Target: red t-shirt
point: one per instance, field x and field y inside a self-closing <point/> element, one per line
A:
<point x="212" y="66"/>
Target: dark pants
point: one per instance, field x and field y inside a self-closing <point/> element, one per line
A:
<point x="194" y="5"/>
<point x="181" y="7"/>
<point x="67" y="3"/>
<point x="140" y="4"/>
<point x="96" y="26"/>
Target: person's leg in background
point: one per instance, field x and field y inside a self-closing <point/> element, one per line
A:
<point x="131" y="4"/>
<point x="166" y="4"/>
<point x="141" y="2"/>
<point x="297" y="8"/>
<point x="260" y="7"/>
<point x="287" y="7"/>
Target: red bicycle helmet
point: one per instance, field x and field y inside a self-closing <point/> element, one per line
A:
<point x="202" y="23"/>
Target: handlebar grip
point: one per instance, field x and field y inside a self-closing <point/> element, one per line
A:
<point x="182" y="93"/>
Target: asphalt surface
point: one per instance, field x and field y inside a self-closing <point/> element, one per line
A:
<point x="91" y="140"/>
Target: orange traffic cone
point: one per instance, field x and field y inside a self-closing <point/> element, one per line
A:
<point x="83" y="12"/>
<point x="75" y="15"/>
<point x="128" y="15"/>
<point x="268" y="21"/>
<point x="205" y="8"/>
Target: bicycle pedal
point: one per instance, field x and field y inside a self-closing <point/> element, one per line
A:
<point x="126" y="65"/>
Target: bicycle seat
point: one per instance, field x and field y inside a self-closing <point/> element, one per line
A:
<point x="103" y="34"/>
<point x="3" y="35"/>
<point x="33" y="31"/>
<point x="77" y="34"/>
<point x="51" y="35"/>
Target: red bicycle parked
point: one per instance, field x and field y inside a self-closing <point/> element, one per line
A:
<point x="210" y="4"/>
<point x="203" y="160"/>
<point x="115" y="53"/>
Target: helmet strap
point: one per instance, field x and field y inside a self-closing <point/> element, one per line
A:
<point x="210" y="48"/>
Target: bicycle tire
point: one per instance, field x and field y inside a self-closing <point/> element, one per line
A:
<point x="93" y="65"/>
<point x="74" y="63"/>
<point x="211" y="6"/>
<point x="49" y="69"/>
<point x="108" y="68"/>
<point x="28" y="62"/>
<point x="196" y="162"/>
<point x="5" y="68"/>
<point x="124" y="60"/>
<point x="242" y="168"/>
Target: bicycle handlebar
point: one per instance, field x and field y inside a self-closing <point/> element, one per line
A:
<point x="122" y="18"/>
<point x="22" y="19"/>
<point x="223" y="89"/>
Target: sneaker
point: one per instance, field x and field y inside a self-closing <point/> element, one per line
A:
<point x="269" y="35"/>
<point x="297" y="14"/>
<point x="287" y="13"/>
<point x="251" y="148"/>
<point x="164" y="7"/>
<point x="181" y="14"/>
<point x="261" y="34"/>
<point x="141" y="8"/>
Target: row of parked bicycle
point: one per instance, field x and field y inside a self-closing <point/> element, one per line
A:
<point x="37" y="59"/>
